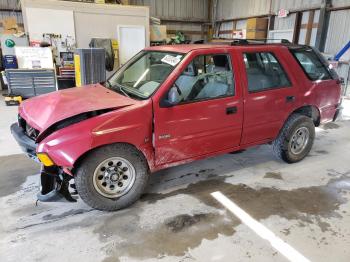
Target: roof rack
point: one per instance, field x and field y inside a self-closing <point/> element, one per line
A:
<point x="259" y="41"/>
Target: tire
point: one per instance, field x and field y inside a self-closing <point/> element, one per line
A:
<point x="297" y="126"/>
<point x="91" y="189"/>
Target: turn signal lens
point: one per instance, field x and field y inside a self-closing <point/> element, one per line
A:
<point x="45" y="159"/>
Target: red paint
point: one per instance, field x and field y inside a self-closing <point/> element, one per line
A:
<point x="42" y="111"/>
<point x="183" y="133"/>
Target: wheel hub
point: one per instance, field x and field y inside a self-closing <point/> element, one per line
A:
<point x="299" y="140"/>
<point x="114" y="177"/>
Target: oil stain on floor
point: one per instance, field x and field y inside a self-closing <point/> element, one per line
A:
<point x="172" y="237"/>
<point x="273" y="175"/>
<point x="308" y="205"/>
<point x="330" y="125"/>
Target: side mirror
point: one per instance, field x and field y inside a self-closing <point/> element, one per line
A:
<point x="172" y="99"/>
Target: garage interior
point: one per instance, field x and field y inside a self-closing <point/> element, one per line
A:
<point x="274" y="211"/>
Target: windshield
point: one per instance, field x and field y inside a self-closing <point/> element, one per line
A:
<point x="142" y="75"/>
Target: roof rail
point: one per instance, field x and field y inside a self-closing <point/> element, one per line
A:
<point x="259" y="41"/>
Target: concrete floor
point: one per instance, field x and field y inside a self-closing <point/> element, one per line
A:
<point x="304" y="204"/>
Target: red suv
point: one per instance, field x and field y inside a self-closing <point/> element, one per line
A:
<point x="171" y="105"/>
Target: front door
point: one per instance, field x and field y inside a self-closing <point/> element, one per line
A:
<point x="208" y="116"/>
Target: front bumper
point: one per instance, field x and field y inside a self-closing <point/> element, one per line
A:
<point x="54" y="182"/>
<point x="27" y="145"/>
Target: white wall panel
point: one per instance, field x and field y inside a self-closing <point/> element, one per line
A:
<point x="61" y="22"/>
<point x="285" y="23"/>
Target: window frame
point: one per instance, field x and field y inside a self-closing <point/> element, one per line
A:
<point x="134" y="59"/>
<point x="293" y="51"/>
<point x="278" y="61"/>
<point x="228" y="55"/>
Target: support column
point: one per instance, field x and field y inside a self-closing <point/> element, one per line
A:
<point x="323" y="23"/>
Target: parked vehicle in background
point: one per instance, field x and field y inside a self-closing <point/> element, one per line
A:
<point x="171" y="105"/>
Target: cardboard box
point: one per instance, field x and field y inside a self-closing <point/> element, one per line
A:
<point x="10" y="25"/>
<point x="257" y="24"/>
<point x="257" y="28"/>
<point x="158" y="33"/>
<point x="256" y="34"/>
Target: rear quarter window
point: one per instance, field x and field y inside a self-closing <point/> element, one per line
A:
<point x="311" y="64"/>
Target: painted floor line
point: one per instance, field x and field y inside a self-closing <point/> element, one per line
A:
<point x="285" y="249"/>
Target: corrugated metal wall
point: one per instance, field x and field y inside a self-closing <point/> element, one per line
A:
<point x="340" y="3"/>
<point x="294" y="4"/>
<point x="178" y="14"/>
<point x="338" y="31"/>
<point x="232" y="9"/>
<point x="176" y="9"/>
<point x="338" y="35"/>
<point x="10" y="4"/>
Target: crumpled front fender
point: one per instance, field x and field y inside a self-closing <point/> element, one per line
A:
<point x="132" y="125"/>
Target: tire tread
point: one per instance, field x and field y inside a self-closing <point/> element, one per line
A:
<point x="85" y="187"/>
<point x="280" y="144"/>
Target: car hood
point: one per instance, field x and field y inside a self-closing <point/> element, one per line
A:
<point x="43" y="111"/>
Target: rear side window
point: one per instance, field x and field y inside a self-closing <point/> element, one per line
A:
<point x="264" y="72"/>
<point x="311" y="64"/>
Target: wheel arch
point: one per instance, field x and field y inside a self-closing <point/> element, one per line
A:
<point x="310" y="111"/>
<point x="81" y="158"/>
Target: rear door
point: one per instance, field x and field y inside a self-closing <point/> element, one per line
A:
<point x="208" y="118"/>
<point x="270" y="93"/>
<point x="324" y="85"/>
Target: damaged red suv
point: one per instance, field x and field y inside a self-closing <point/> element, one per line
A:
<point x="171" y="105"/>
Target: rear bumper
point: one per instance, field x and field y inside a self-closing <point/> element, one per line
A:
<point x="27" y="145"/>
<point x="337" y="113"/>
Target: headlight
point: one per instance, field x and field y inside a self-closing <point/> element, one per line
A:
<point x="45" y="159"/>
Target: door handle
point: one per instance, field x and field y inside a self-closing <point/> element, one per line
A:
<point x="231" y="110"/>
<point x="290" y="99"/>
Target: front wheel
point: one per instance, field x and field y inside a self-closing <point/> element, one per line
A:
<point x="112" y="177"/>
<point x="295" y="139"/>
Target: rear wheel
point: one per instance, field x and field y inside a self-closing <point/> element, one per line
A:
<point x="112" y="177"/>
<point x="295" y="139"/>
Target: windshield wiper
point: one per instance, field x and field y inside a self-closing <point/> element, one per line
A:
<point x="109" y="83"/>
<point x="121" y="88"/>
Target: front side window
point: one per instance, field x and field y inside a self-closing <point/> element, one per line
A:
<point x="206" y="77"/>
<point x="264" y="72"/>
<point x="142" y="75"/>
<point x="311" y="64"/>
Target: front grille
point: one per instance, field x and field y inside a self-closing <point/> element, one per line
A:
<point x="31" y="132"/>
